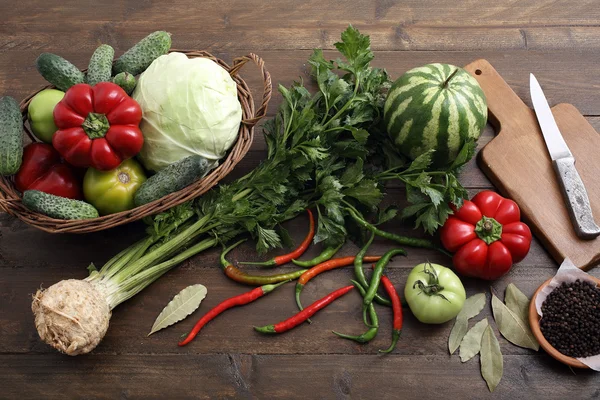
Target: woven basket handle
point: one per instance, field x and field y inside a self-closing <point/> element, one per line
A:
<point x="238" y="63"/>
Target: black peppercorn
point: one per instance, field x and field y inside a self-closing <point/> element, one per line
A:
<point x="571" y="319"/>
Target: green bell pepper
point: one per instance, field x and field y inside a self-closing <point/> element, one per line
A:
<point x="40" y="113"/>
<point x="113" y="191"/>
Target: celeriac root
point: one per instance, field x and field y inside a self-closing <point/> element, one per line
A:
<point x="72" y="316"/>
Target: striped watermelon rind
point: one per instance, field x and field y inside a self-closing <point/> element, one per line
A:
<point x="421" y="113"/>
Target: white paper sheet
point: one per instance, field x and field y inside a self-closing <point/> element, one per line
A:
<point x="567" y="272"/>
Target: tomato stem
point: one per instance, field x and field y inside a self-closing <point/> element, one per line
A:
<point x="433" y="287"/>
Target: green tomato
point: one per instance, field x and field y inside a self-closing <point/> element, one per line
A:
<point x="40" y="113"/>
<point x="434" y="293"/>
<point x="113" y="191"/>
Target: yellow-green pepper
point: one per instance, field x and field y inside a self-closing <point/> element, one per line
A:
<point x="113" y="191"/>
<point x="40" y="113"/>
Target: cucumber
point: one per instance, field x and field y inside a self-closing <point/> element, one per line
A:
<point x="59" y="71"/>
<point x="11" y="136"/>
<point x="139" y="57"/>
<point x="100" y="67"/>
<point x="58" y="207"/>
<point x="126" y="81"/>
<point x="173" y="178"/>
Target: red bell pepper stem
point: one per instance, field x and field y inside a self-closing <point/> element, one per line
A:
<point x="326" y="266"/>
<point x="286" y="258"/>
<point x="240" y="276"/>
<point x="397" y="310"/>
<point x="235" y="301"/>
<point x="303" y="315"/>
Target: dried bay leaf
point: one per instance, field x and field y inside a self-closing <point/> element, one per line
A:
<point x="472" y="307"/>
<point x="517" y="302"/>
<point x="512" y="327"/>
<point x="471" y="343"/>
<point x="461" y="325"/>
<point x="182" y="305"/>
<point x="492" y="364"/>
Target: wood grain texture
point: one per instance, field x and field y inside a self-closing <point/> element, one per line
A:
<point x="558" y="40"/>
<point x="518" y="163"/>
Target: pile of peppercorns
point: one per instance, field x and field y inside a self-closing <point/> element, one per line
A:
<point x="571" y="319"/>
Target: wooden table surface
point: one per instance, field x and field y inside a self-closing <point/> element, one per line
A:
<point x="558" y="40"/>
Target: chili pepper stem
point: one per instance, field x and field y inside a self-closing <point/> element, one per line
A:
<point x="265" y="329"/>
<point x="269" y="288"/>
<point x="269" y="263"/>
<point x="224" y="262"/>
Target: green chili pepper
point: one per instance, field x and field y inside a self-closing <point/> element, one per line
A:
<point x="403" y="240"/>
<point x="370" y="334"/>
<point x="377" y="273"/>
<point x="324" y="256"/>
<point x="360" y="273"/>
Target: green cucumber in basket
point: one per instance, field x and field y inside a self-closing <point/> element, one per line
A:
<point x="11" y="136"/>
<point x="58" y="71"/>
<point x="100" y="67"/>
<point x="126" y="81"/>
<point x="58" y="207"/>
<point x="139" y="57"/>
<point x="173" y="178"/>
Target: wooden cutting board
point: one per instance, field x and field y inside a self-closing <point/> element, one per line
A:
<point x="518" y="164"/>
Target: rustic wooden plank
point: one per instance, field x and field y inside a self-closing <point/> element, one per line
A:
<point x="226" y="376"/>
<point x="411" y="25"/>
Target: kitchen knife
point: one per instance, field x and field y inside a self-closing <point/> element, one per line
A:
<point x="563" y="161"/>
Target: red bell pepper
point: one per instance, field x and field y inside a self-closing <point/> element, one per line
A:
<point x="486" y="236"/>
<point x="43" y="170"/>
<point x="97" y="126"/>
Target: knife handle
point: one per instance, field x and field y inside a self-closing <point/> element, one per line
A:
<point x="576" y="198"/>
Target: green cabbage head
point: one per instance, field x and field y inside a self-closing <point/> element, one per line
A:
<point x="189" y="106"/>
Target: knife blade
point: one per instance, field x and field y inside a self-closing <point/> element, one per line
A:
<point x="572" y="187"/>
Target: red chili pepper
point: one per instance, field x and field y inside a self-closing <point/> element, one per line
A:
<point x="286" y="258"/>
<point x="397" y="309"/>
<point x="43" y="170"/>
<point x="303" y="315"/>
<point x="326" y="266"/>
<point x="235" y="301"/>
<point x="97" y="126"/>
<point x="240" y="276"/>
<point x="486" y="236"/>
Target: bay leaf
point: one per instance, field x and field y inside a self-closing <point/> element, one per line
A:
<point x="517" y="302"/>
<point x="182" y="305"/>
<point x="512" y="327"/>
<point x="461" y="325"/>
<point x="492" y="364"/>
<point x="472" y="307"/>
<point x="471" y="343"/>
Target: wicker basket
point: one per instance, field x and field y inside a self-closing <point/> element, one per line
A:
<point x="10" y="198"/>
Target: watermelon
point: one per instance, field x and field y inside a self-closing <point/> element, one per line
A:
<point x="435" y="107"/>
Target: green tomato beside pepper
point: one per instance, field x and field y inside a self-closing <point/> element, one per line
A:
<point x="434" y="293"/>
<point x="40" y="113"/>
<point x="113" y="191"/>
